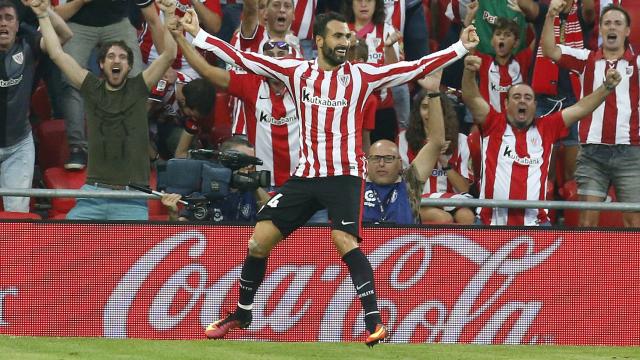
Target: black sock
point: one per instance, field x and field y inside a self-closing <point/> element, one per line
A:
<point x="362" y="277"/>
<point x="251" y="277"/>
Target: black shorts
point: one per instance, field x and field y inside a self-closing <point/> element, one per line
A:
<point x="299" y="198"/>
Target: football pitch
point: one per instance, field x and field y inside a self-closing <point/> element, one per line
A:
<point x="43" y="348"/>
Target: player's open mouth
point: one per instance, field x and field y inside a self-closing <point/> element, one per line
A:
<point x="611" y="37"/>
<point x="501" y="45"/>
<point x="4" y="32"/>
<point x="341" y="51"/>
<point x="115" y="70"/>
<point x="281" y="20"/>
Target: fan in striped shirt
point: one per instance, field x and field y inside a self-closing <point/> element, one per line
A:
<point x="330" y="95"/>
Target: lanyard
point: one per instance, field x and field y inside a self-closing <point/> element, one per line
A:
<point x="385" y="204"/>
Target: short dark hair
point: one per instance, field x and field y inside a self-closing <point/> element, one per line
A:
<point x="379" y="12"/>
<point x="612" y="7"/>
<point x="10" y="4"/>
<point x="320" y="24"/>
<point x="200" y="96"/>
<point x="235" y="141"/>
<point x="104" y="49"/>
<point x="506" y="24"/>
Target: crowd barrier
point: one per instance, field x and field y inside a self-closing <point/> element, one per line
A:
<point x="439" y="284"/>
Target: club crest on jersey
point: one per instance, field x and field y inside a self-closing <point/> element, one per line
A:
<point x="344" y="79"/>
<point x="18" y="58"/>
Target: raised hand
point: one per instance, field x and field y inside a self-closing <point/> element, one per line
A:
<point x="555" y="7"/>
<point x="39" y="7"/>
<point x="190" y="22"/>
<point x="472" y="63"/>
<point x="612" y="79"/>
<point x="469" y="37"/>
<point x="392" y="38"/>
<point x="167" y="6"/>
<point x="513" y="5"/>
<point x="431" y="82"/>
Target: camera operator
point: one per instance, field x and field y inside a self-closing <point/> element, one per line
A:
<point x="238" y="206"/>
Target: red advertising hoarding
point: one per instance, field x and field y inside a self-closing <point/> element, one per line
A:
<point x="448" y="285"/>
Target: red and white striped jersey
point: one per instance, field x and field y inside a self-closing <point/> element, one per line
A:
<point x="616" y="120"/>
<point x="438" y="181"/>
<point x="515" y="166"/>
<point x="395" y="10"/>
<point x="330" y="103"/>
<point x="303" y="18"/>
<point x="375" y="42"/>
<point x="272" y="125"/>
<point x="149" y="51"/>
<point x="253" y="43"/>
<point x="495" y="79"/>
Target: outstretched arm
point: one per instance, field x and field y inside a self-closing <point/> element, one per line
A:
<point x="427" y="157"/>
<point x="69" y="67"/>
<point x="254" y="63"/>
<point x="210" y="20"/>
<point x="470" y="93"/>
<point x="249" y="21"/>
<point x="548" y="39"/>
<point x="215" y="75"/>
<point x="589" y="103"/>
<point x="405" y="71"/>
<point x="159" y="66"/>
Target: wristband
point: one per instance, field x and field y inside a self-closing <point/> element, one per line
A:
<point x="43" y="15"/>
<point x="433" y="95"/>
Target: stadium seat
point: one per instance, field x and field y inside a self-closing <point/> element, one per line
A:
<point x="19" y="215"/>
<point x="51" y="140"/>
<point x="40" y="105"/>
<point x="59" y="178"/>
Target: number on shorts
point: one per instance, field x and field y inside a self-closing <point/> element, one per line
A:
<point x="274" y="201"/>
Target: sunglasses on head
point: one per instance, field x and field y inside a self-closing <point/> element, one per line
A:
<point x="282" y="45"/>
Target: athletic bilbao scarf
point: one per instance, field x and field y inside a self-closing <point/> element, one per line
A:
<point x="545" y="74"/>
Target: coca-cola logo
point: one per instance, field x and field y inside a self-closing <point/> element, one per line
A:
<point x="507" y="263"/>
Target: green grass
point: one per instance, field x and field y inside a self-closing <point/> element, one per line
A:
<point x="28" y="348"/>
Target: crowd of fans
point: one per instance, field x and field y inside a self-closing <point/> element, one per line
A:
<point x="536" y="107"/>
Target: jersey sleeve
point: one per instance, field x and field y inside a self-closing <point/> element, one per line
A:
<point x="383" y="76"/>
<point x="242" y="85"/>
<point x="573" y="59"/>
<point x="553" y="127"/>
<point x="279" y="69"/>
<point x="493" y="121"/>
<point x="369" y="113"/>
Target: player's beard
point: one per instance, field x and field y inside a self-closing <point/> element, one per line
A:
<point x="331" y="57"/>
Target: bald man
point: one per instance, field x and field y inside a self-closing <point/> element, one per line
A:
<point x="392" y="195"/>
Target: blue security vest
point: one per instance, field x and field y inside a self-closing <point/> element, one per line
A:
<point x="387" y="204"/>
